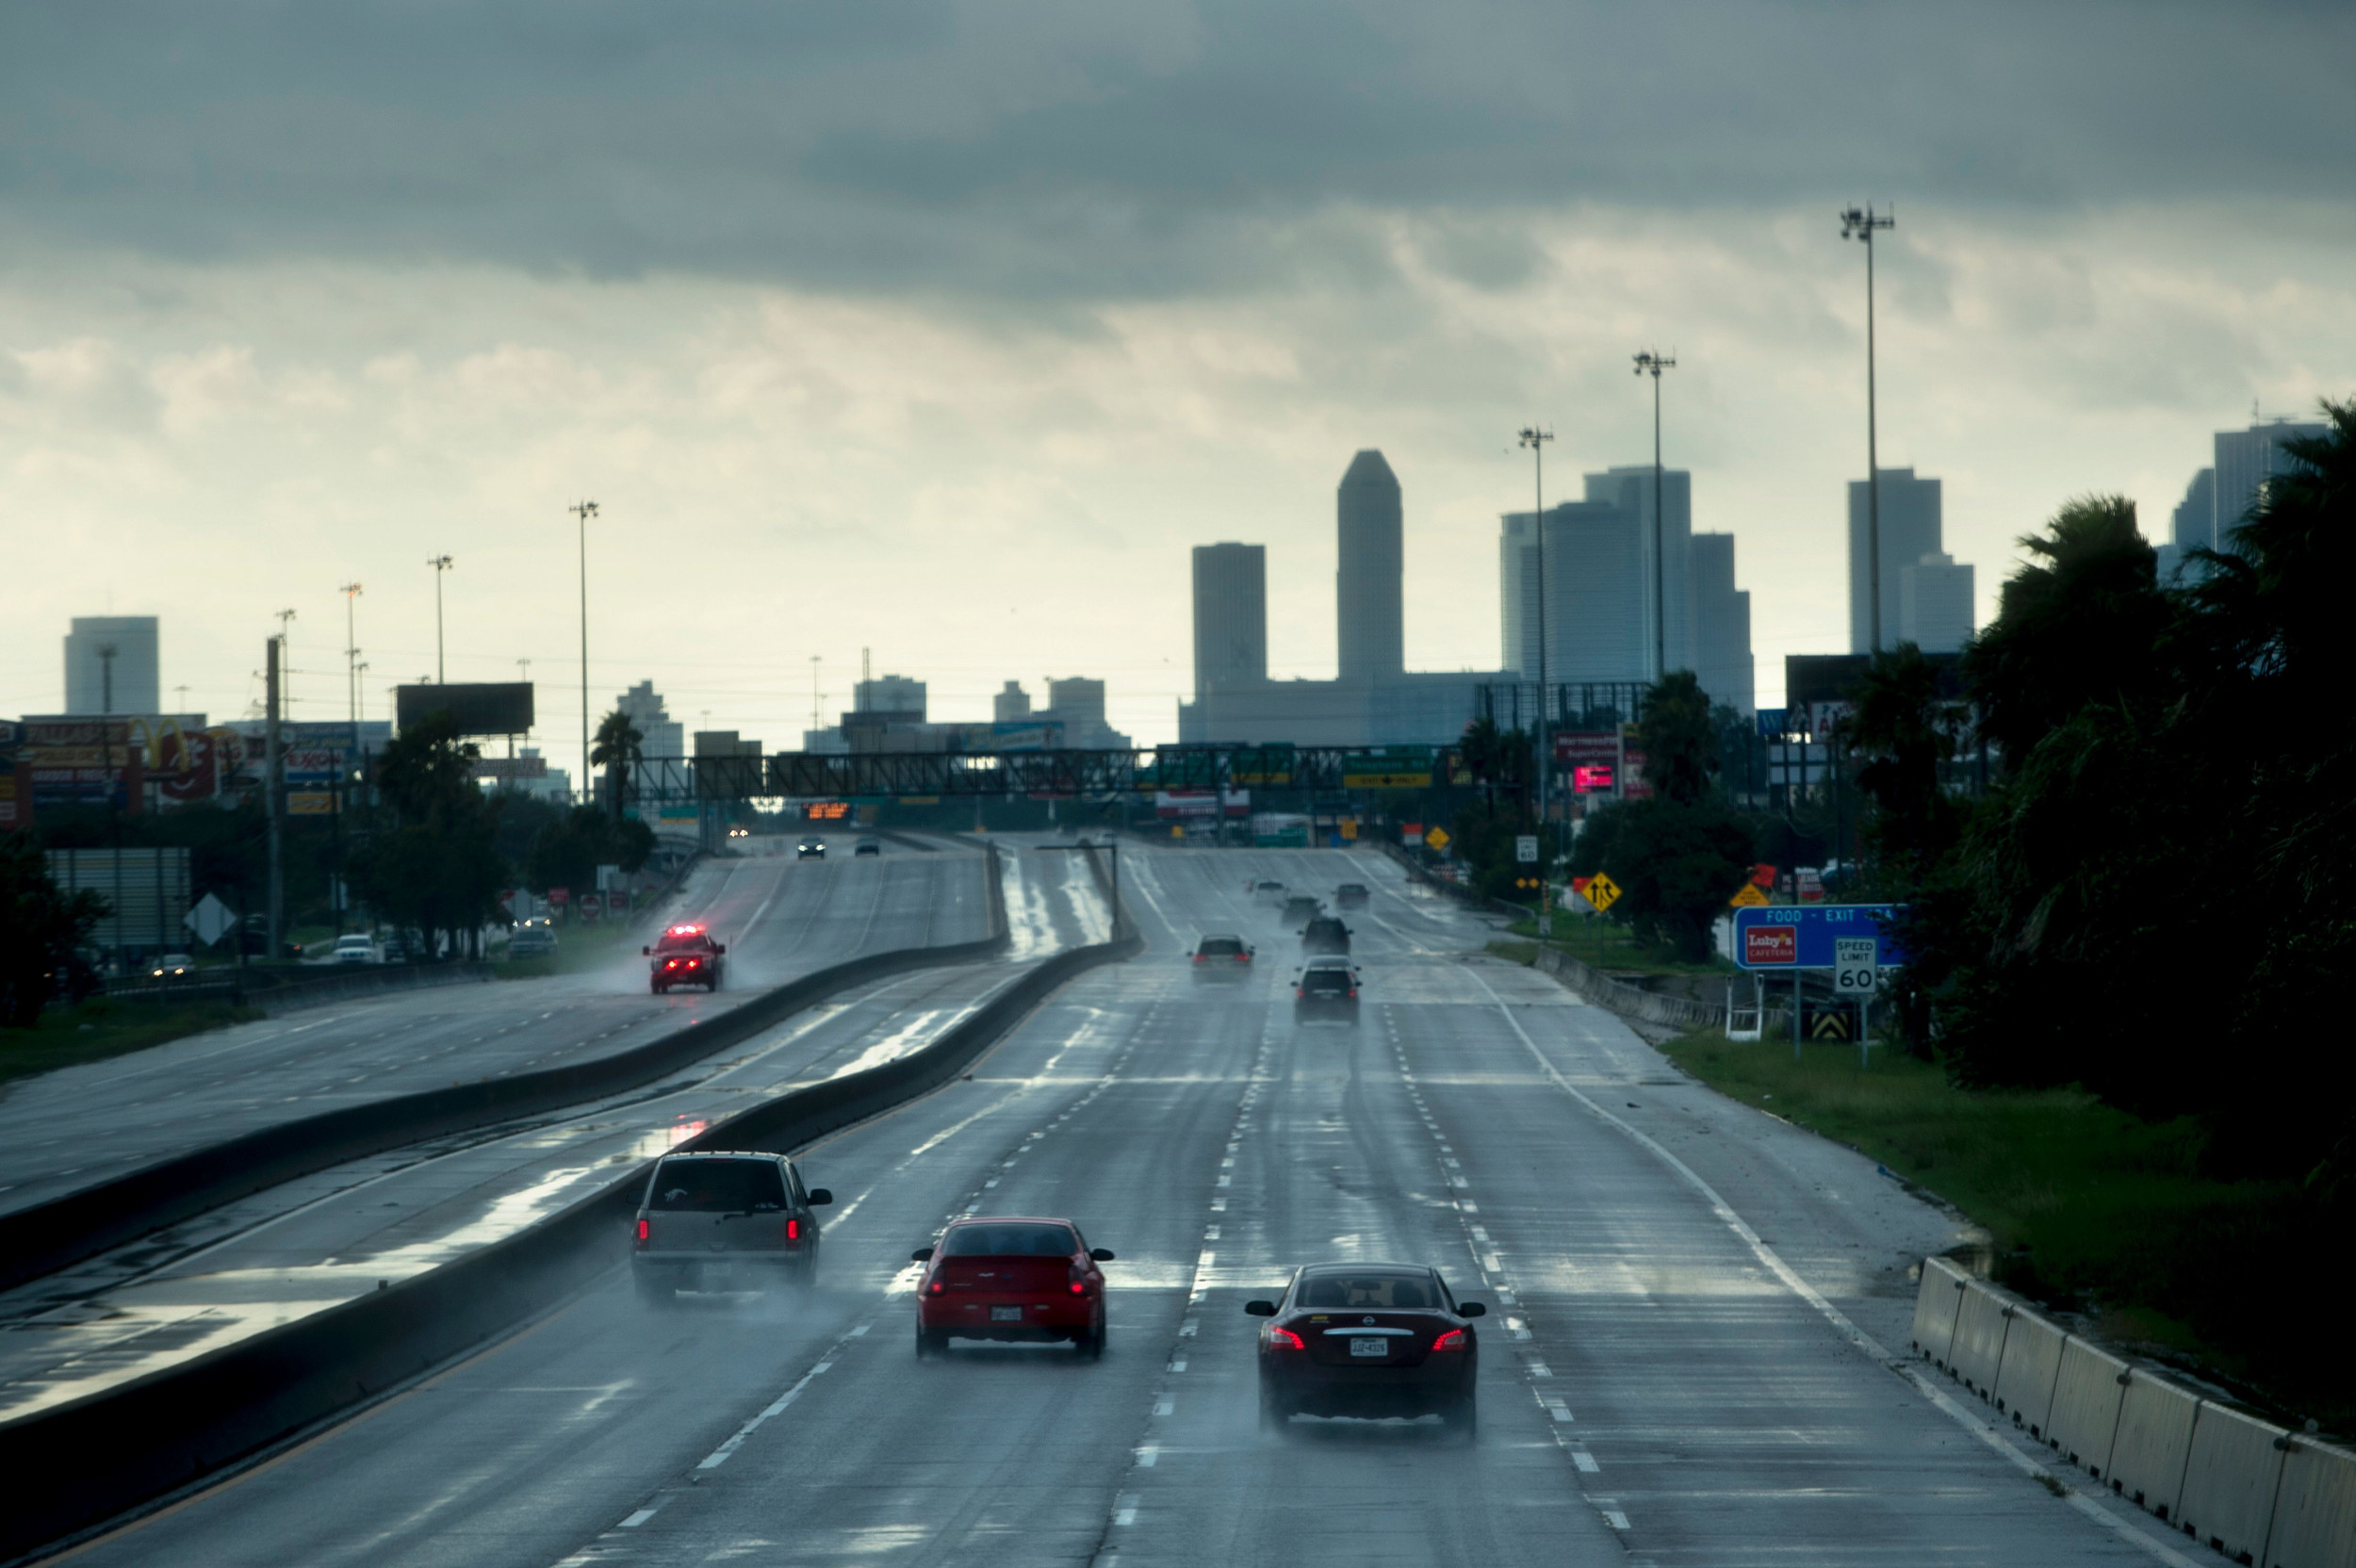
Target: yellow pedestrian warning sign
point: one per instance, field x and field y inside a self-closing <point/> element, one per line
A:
<point x="1601" y="891"/>
<point x="1749" y="898"/>
<point x="1436" y="837"/>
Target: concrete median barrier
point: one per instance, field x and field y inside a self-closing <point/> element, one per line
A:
<point x="78" y="1464"/>
<point x="2032" y="1365"/>
<point x="1978" y="1350"/>
<point x="2084" y="1417"/>
<point x="2315" y="1507"/>
<point x="49" y="1236"/>
<point x="1936" y="1301"/>
<point x="2154" y="1441"/>
<point x="2232" y="1474"/>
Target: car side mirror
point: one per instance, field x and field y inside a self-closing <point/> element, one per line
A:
<point x="1102" y="1254"/>
<point x="820" y="1195"/>
<point x="719" y="947"/>
<point x="1471" y="1309"/>
<point x="1259" y="1309"/>
<point x="923" y="1254"/>
<point x="646" y="953"/>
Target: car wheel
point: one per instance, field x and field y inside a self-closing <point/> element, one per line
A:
<point x="657" y="1290"/>
<point x="1092" y="1343"/>
<point x="1463" y="1418"/>
<point x="930" y="1342"/>
<point x="1275" y="1416"/>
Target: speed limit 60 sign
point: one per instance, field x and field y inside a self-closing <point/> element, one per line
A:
<point x="1856" y="965"/>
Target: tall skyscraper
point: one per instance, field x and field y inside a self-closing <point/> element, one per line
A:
<point x="1230" y="615"/>
<point x="2246" y="459"/>
<point x="1010" y="704"/>
<point x="1909" y="531"/>
<point x="1722" y="623"/>
<point x="1367" y="587"/>
<point x="895" y="695"/>
<point x="134" y="640"/>
<point x="1595" y="594"/>
<point x="1630" y="489"/>
<point x="2194" y="525"/>
<point x="660" y="735"/>
<point x="1934" y="604"/>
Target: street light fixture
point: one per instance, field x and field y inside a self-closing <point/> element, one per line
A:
<point x="582" y="512"/>
<point x="1535" y="439"/>
<point x="440" y="564"/>
<point x="1860" y="224"/>
<point x="352" y="657"/>
<point x="1650" y="363"/>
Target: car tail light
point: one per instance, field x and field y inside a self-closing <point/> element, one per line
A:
<point x="1352" y="995"/>
<point x="646" y="1232"/>
<point x="1300" y="992"/>
<point x="792" y="1229"/>
<point x="1243" y="957"/>
<point x="1283" y="1339"/>
<point x="937" y="1287"/>
<point x="1452" y="1340"/>
<point x="670" y="963"/>
<point x="1079" y="1287"/>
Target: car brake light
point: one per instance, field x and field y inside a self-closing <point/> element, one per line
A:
<point x="1079" y="1287"/>
<point x="792" y="1229"/>
<point x="646" y="1232"/>
<point x="1243" y="957"/>
<point x="937" y="1287"/>
<point x="1452" y="1340"/>
<point x="1198" y="957"/>
<point x="1299" y="993"/>
<point x="1283" y="1339"/>
<point x="1352" y="995"/>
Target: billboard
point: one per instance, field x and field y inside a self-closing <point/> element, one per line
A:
<point x="486" y="708"/>
<point x="1199" y="802"/>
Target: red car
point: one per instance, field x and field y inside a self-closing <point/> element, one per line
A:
<point x="1011" y="1278"/>
<point x="684" y="956"/>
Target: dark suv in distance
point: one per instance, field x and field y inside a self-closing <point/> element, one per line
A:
<point x="1326" y="988"/>
<point x="1326" y="935"/>
<point x="1220" y="955"/>
<point x="813" y="847"/>
<point x="724" y="1222"/>
<point x="1371" y="1340"/>
<point x="1351" y="895"/>
<point x="1299" y="910"/>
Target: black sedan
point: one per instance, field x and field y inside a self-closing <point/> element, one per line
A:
<point x="1371" y="1340"/>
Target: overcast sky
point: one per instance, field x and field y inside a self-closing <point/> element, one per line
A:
<point x="945" y="330"/>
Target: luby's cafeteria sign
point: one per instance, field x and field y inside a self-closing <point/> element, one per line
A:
<point x="1771" y="945"/>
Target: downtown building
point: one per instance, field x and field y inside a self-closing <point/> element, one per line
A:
<point x="2220" y="497"/>
<point x="1925" y="595"/>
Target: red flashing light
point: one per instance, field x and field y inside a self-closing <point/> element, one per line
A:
<point x="1283" y="1339"/>
<point x="646" y="1232"/>
<point x="1452" y="1340"/>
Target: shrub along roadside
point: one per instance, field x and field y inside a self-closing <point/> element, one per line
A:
<point x="68" y="1036"/>
<point x="2089" y="1209"/>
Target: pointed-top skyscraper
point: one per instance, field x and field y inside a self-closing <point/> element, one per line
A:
<point x="1368" y="588"/>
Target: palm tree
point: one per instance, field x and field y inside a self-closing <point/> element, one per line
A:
<point x="616" y="751"/>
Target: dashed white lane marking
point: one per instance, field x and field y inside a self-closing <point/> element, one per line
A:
<point x="1987" y="1432"/>
<point x="638" y="1518"/>
<point x="719" y="1456"/>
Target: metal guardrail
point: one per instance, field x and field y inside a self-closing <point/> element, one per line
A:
<point x="81" y="1464"/>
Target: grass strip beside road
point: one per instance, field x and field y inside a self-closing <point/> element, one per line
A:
<point x="98" y="1028"/>
<point x="1606" y="944"/>
<point x="2089" y="1209"/>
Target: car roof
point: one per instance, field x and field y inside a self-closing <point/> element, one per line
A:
<point x="1011" y="1220"/>
<point x="1371" y="1265"/>
<point x="1221" y="936"/>
<point x="723" y="1154"/>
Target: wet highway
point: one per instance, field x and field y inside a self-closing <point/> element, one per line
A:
<point x="780" y="918"/>
<point x="1692" y="1308"/>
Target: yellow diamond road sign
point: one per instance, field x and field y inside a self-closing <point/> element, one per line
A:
<point x="1437" y="838"/>
<point x="1749" y="898"/>
<point x="1601" y="891"/>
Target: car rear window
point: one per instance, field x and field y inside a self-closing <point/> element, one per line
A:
<point x="1009" y="1241"/>
<point x="719" y="1187"/>
<point x="1219" y="947"/>
<point x="1333" y="1292"/>
<point x="1325" y="980"/>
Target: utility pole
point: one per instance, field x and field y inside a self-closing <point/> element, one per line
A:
<point x="440" y="564"/>
<point x="813" y="693"/>
<point x="272" y="800"/>
<point x="1650" y="363"/>
<point x="352" y="661"/>
<point x="1536" y="439"/>
<point x="285" y="649"/>
<point x="581" y="512"/>
<point x="1860" y="223"/>
<point x="107" y="652"/>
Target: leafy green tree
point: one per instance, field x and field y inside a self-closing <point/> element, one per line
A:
<point x="567" y="850"/>
<point x="1900" y="732"/>
<point x="1679" y="739"/>
<point x="617" y="751"/>
<point x="40" y="927"/>
<point x="436" y="867"/>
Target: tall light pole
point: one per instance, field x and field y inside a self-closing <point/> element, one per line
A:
<point x="813" y="694"/>
<point x="440" y="564"/>
<point x="1536" y="439"/>
<point x="1860" y="223"/>
<point x="1650" y="363"/>
<point x="107" y="652"/>
<point x="351" y="660"/>
<point x="582" y="512"/>
<point x="286" y="661"/>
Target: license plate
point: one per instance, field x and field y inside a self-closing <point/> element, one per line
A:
<point x="1006" y="1315"/>
<point x="1370" y="1348"/>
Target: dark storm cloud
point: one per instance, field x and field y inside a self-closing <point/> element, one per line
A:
<point x="1084" y="150"/>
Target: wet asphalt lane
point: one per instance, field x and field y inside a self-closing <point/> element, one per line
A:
<point x="71" y="1129"/>
<point x="1662" y="1376"/>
